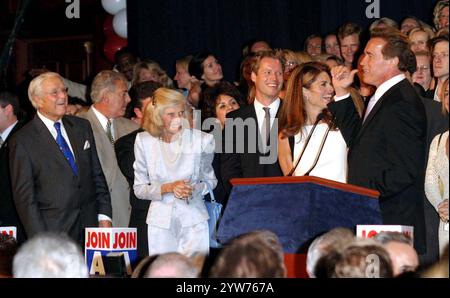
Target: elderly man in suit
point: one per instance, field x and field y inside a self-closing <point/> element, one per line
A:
<point x="386" y="145"/>
<point x="109" y="94"/>
<point x="57" y="181"/>
<point x="267" y="74"/>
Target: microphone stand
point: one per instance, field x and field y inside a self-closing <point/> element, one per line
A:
<point x="319" y="117"/>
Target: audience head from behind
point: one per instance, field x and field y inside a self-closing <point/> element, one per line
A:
<point x="332" y="241"/>
<point x="205" y="67"/>
<point x="255" y="46"/>
<point x="109" y="93"/>
<point x="140" y="94"/>
<point x="49" y="255"/>
<point x="400" y="248"/>
<point x="8" y="248"/>
<point x="440" y="269"/>
<point x="249" y="256"/>
<point x="172" y="265"/>
<point x="364" y="258"/>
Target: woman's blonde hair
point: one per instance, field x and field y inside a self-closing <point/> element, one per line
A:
<point x="442" y="94"/>
<point x="163" y="99"/>
<point x="153" y="67"/>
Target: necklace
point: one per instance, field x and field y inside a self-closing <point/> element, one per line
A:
<point x="171" y="152"/>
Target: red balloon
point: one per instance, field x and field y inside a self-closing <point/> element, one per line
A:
<point x="108" y="26"/>
<point x="112" y="45"/>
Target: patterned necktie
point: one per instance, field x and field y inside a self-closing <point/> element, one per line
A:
<point x="65" y="148"/>
<point x="109" y="131"/>
<point x="266" y="125"/>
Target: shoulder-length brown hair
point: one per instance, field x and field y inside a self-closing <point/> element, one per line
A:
<point x="293" y="114"/>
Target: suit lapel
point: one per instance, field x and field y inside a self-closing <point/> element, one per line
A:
<point x="377" y="108"/>
<point x="74" y="138"/>
<point x="44" y="137"/>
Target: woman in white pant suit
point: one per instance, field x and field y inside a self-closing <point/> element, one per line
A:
<point x="173" y="169"/>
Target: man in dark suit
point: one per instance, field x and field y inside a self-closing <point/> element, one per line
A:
<point x="9" y="125"/>
<point x="254" y="146"/>
<point x="140" y="95"/>
<point x="386" y="146"/>
<point x="57" y="181"/>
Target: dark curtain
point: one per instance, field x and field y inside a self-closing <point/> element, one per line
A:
<point x="166" y="30"/>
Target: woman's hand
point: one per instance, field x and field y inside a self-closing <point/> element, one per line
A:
<point x="443" y="210"/>
<point x="342" y="78"/>
<point x="181" y="189"/>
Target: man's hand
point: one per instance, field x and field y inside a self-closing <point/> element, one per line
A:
<point x="443" y="210"/>
<point x="104" y="224"/>
<point x="342" y="78"/>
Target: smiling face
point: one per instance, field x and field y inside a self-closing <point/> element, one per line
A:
<point x="212" y="71"/>
<point x="172" y="119"/>
<point x="268" y="79"/>
<point x="225" y="104"/>
<point x="332" y="45"/>
<point x="52" y="98"/>
<point x="349" y="46"/>
<point x="376" y="69"/>
<point x="440" y="60"/>
<point x="319" y="94"/>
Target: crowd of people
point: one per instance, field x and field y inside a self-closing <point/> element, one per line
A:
<point x="142" y="150"/>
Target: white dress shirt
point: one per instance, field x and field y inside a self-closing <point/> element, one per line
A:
<point x="104" y="121"/>
<point x="261" y="114"/>
<point x="7" y="131"/>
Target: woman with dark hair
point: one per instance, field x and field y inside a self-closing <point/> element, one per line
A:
<point x="206" y="71"/>
<point x="308" y="92"/>
<point x="224" y="97"/>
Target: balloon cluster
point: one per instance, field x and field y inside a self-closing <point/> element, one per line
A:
<point x="115" y="27"/>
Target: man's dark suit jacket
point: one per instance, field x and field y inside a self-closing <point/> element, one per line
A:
<point x="124" y="148"/>
<point x="8" y="212"/>
<point x="246" y="164"/>
<point x="387" y="153"/>
<point x="47" y="194"/>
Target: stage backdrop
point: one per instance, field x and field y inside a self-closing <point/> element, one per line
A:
<point x="166" y="30"/>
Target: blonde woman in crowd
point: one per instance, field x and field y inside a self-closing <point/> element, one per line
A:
<point x="173" y="169"/>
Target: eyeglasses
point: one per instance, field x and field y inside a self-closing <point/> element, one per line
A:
<point x="55" y="92"/>
<point x="423" y="68"/>
<point x="290" y="63"/>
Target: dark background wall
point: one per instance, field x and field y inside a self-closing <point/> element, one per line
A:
<point x="165" y="30"/>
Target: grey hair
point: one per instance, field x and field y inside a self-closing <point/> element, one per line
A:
<point x="49" y="255"/>
<point x="335" y="239"/>
<point x="35" y="87"/>
<point x="386" y="237"/>
<point x="172" y="265"/>
<point x="105" y="81"/>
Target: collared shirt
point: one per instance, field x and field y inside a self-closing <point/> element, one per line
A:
<point x="381" y="90"/>
<point x="436" y="94"/>
<point x="261" y="114"/>
<point x="50" y="126"/>
<point x="104" y="121"/>
<point x="7" y="131"/>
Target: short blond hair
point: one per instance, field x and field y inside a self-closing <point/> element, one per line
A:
<point x="105" y="81"/>
<point x="35" y="87"/>
<point x="163" y="99"/>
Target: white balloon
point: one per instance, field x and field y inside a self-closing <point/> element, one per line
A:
<point x="120" y="23"/>
<point x="114" y="6"/>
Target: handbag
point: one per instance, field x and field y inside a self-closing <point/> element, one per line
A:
<point x="214" y="211"/>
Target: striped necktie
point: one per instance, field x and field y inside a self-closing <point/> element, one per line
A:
<point x="65" y="148"/>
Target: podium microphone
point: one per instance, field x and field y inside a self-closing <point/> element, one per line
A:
<point x="319" y="117"/>
<point x="321" y="147"/>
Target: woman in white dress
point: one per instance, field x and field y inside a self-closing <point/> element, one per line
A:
<point x="437" y="176"/>
<point x="173" y="169"/>
<point x="308" y="92"/>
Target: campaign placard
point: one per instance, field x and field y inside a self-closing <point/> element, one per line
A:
<point x="102" y="241"/>
<point x="12" y="231"/>
<point x="369" y="231"/>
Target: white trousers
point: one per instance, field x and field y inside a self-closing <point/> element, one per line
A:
<point x="189" y="241"/>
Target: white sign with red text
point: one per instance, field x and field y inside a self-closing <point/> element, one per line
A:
<point x="369" y="231"/>
<point x="12" y="231"/>
<point x="101" y="241"/>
